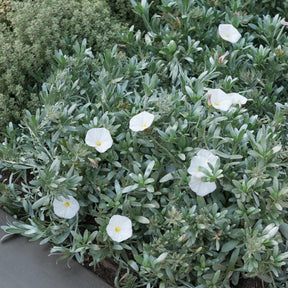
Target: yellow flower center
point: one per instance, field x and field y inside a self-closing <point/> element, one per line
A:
<point x="117" y="229"/>
<point x="66" y="204"/>
<point x="98" y="143"/>
<point x="143" y="125"/>
<point x="216" y="103"/>
<point x="198" y="170"/>
<point x="227" y="35"/>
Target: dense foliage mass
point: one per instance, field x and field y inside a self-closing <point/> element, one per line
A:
<point x="167" y="154"/>
<point x="31" y="31"/>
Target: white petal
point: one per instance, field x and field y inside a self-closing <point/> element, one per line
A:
<point x="219" y="99"/>
<point x="106" y="143"/>
<point x="201" y="188"/>
<point x="215" y="91"/>
<point x="124" y="225"/>
<point x="141" y="121"/>
<point x="195" y="164"/>
<point x="100" y="138"/>
<point x="202" y="159"/>
<point x="237" y="98"/>
<point x="65" y="212"/>
<point x="204" y="153"/>
<point x="208" y="156"/>
<point x="229" y="33"/>
<point x="212" y="159"/>
<point x="91" y="137"/>
<point x="211" y="92"/>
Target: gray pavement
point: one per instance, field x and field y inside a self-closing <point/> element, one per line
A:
<point x="25" y="264"/>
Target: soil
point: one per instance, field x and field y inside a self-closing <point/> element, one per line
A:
<point x="251" y="283"/>
<point x="4" y="176"/>
<point x="107" y="268"/>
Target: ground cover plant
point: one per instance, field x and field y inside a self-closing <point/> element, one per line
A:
<point x="31" y="31"/>
<point x="167" y="154"/>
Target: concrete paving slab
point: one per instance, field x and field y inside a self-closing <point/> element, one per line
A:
<point x="25" y="264"/>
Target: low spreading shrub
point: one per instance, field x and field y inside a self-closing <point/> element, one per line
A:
<point x="168" y="155"/>
<point x="31" y="31"/>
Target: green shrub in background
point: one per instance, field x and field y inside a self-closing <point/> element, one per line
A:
<point x="4" y="9"/>
<point x="31" y="31"/>
<point x="123" y="10"/>
<point x="180" y="239"/>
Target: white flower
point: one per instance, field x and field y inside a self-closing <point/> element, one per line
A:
<point x="219" y="99"/>
<point x="202" y="158"/>
<point x="201" y="188"/>
<point x="100" y="138"/>
<point x="197" y="185"/>
<point x="119" y="228"/>
<point x="223" y="101"/>
<point x="141" y="121"/>
<point x="229" y="33"/>
<point x="237" y="98"/>
<point x="65" y="207"/>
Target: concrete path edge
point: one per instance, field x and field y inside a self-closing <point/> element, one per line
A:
<point x="27" y="264"/>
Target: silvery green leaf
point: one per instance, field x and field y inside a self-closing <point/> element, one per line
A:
<point x="166" y="178"/>
<point x="149" y="169"/>
<point x="160" y="258"/>
<point x="41" y="202"/>
<point x="142" y="219"/>
<point x="130" y="188"/>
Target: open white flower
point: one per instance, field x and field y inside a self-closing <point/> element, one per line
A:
<point x="219" y="99"/>
<point x="100" y="138"/>
<point x="201" y="188"/>
<point x="141" y="121"/>
<point x="119" y="228"/>
<point x="65" y="207"/>
<point x="202" y="158"/>
<point x="197" y="185"/>
<point x="237" y="98"/>
<point x="229" y="33"/>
